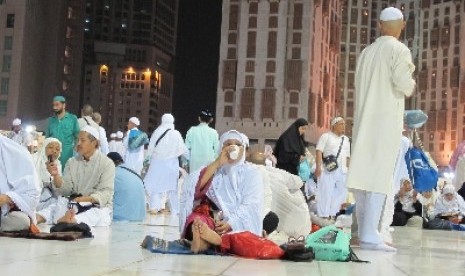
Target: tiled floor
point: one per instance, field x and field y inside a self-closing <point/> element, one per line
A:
<point x="116" y="251"/>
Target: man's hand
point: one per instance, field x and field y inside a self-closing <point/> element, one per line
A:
<point x="222" y="227"/>
<point x="454" y="219"/>
<point x="52" y="168"/>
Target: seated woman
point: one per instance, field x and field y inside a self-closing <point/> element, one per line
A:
<point x="428" y="200"/>
<point x="406" y="204"/>
<point x="450" y="206"/>
<point x="50" y="151"/>
<point x="229" y="185"/>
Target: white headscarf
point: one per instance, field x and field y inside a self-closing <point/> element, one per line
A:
<point x="171" y="145"/>
<point x="457" y="204"/>
<point x="234" y="135"/>
<point x="40" y="159"/>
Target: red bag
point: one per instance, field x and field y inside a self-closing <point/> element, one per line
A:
<point x="249" y="245"/>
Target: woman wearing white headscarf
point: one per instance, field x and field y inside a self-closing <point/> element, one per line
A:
<point x="450" y="204"/>
<point x="51" y="150"/>
<point x="166" y="145"/>
<point x="229" y="183"/>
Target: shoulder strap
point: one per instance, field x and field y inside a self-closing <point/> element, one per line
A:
<point x="86" y="120"/>
<point x="163" y="135"/>
<point x="133" y="172"/>
<point x="340" y="147"/>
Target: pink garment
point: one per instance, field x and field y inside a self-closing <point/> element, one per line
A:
<point x="458" y="152"/>
<point x="202" y="211"/>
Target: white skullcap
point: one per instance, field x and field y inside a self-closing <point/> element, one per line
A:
<point x="119" y="134"/>
<point x="113" y="135"/>
<point x="16" y="122"/>
<point x="336" y="120"/>
<point x="135" y="121"/>
<point x="245" y="140"/>
<point x="391" y="14"/>
<point x="448" y="189"/>
<point x="92" y="131"/>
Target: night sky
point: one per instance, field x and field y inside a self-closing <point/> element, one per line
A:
<point x="197" y="54"/>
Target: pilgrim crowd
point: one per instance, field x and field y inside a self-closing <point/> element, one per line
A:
<point x="219" y="185"/>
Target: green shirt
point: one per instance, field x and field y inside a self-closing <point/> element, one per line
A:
<point x="66" y="130"/>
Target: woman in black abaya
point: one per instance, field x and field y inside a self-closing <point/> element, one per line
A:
<point x="290" y="148"/>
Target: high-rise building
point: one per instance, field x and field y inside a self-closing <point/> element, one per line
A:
<point x="279" y="61"/>
<point x="40" y="56"/>
<point x="433" y="34"/>
<point x="129" y="53"/>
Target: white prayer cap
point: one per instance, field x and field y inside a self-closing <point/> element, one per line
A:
<point x="336" y="120"/>
<point x="135" y="121"/>
<point x="448" y="189"/>
<point x="17" y="122"/>
<point x="92" y="131"/>
<point x="167" y="118"/>
<point x="119" y="134"/>
<point x="391" y="14"/>
<point x="113" y="135"/>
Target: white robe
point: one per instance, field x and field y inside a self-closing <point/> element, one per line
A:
<point x="383" y="80"/>
<point x="18" y="178"/>
<point x="104" y="147"/>
<point x="117" y="146"/>
<point x="133" y="159"/>
<point x="288" y="202"/>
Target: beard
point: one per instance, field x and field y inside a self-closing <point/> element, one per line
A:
<point x="58" y="111"/>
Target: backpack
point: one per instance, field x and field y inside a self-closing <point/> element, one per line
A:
<point x="137" y="139"/>
<point x="331" y="244"/>
<point x="424" y="177"/>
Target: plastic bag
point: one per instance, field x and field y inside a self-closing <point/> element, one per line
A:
<point x="249" y="245"/>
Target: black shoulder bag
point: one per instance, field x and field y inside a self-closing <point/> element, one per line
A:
<point x="330" y="161"/>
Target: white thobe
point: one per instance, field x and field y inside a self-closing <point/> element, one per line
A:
<point x="104" y="147"/>
<point x="383" y="79"/>
<point x="238" y="194"/>
<point x="288" y="202"/>
<point x="163" y="173"/>
<point x="18" y="178"/>
<point x="331" y="188"/>
<point x="117" y="146"/>
<point x="93" y="178"/>
<point x="134" y="159"/>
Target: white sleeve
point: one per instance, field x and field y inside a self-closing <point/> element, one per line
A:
<point x="320" y="146"/>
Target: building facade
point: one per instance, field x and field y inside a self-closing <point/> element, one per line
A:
<point x="40" y="57"/>
<point x="129" y="80"/>
<point x="129" y="55"/>
<point x="279" y="61"/>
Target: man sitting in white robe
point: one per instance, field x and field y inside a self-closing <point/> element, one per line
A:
<point x="90" y="176"/>
<point x="283" y="197"/>
<point x="19" y="187"/>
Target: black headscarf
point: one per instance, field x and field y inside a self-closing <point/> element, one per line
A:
<point x="291" y="141"/>
<point x="290" y="147"/>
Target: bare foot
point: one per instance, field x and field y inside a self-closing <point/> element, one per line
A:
<point x="69" y="217"/>
<point x="40" y="219"/>
<point x="208" y="234"/>
<point x="355" y="242"/>
<point x="153" y="212"/>
<point x="198" y="244"/>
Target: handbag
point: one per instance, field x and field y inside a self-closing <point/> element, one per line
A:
<point x="330" y="161"/>
<point x="304" y="170"/>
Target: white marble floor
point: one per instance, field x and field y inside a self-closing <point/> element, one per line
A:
<point x="116" y="251"/>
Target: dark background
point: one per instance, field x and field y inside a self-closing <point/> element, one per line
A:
<point x="197" y="54"/>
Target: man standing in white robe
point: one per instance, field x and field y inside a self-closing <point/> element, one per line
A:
<point x="165" y="147"/>
<point x="400" y="174"/>
<point x="383" y="80"/>
<point x="119" y="146"/>
<point x="331" y="188"/>
<point x="104" y="146"/>
<point x="134" y="158"/>
<point x="19" y="187"/>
